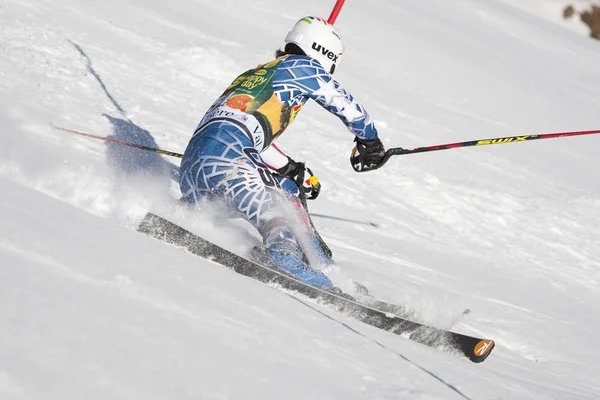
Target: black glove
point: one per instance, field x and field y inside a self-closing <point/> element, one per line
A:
<point x="367" y="154"/>
<point x="297" y="171"/>
<point x="293" y="170"/>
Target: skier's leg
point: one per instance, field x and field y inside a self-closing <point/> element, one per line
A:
<point x="222" y="164"/>
<point x="316" y="244"/>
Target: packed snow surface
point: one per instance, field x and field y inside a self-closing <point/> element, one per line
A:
<point x="91" y="309"/>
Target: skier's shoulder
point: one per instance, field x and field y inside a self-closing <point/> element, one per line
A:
<point x="289" y="62"/>
<point x="302" y="66"/>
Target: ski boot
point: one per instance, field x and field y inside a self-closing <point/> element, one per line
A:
<point x="282" y="252"/>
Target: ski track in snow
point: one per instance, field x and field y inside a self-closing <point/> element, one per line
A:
<point x="90" y="309"/>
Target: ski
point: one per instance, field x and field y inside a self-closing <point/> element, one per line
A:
<point x="393" y="308"/>
<point x="476" y="349"/>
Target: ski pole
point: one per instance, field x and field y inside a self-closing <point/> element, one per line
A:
<point x="354" y="221"/>
<point x="398" y="151"/>
<point x="117" y="141"/>
<point x="336" y="11"/>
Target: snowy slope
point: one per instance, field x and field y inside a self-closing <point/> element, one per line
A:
<point x="509" y="231"/>
<point x="117" y="315"/>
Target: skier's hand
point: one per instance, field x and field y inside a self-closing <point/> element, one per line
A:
<point x="293" y="170"/>
<point x="367" y="154"/>
<point x="303" y="177"/>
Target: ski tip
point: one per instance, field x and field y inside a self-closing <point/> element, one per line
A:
<point x="482" y="350"/>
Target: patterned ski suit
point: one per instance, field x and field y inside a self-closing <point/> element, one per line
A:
<point x="228" y="155"/>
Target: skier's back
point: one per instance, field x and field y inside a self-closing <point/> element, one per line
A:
<point x="229" y="156"/>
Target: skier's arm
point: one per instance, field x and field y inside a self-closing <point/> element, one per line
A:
<point x="309" y="79"/>
<point x="284" y="165"/>
<point x="274" y="158"/>
<point x="328" y="93"/>
<point x="369" y="150"/>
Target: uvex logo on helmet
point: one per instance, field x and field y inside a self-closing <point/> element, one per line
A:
<point x="328" y="53"/>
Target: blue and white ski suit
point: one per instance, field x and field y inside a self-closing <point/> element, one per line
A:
<point x="228" y="155"/>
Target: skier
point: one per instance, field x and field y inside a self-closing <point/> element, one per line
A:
<point x="229" y="155"/>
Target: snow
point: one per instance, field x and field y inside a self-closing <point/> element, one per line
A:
<point x="91" y="309"/>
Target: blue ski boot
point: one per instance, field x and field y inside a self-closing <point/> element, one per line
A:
<point x="283" y="252"/>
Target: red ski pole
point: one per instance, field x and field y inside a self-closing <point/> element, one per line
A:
<point x="336" y="10"/>
<point x="122" y="143"/>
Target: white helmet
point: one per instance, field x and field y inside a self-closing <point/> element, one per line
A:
<point x="319" y="40"/>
